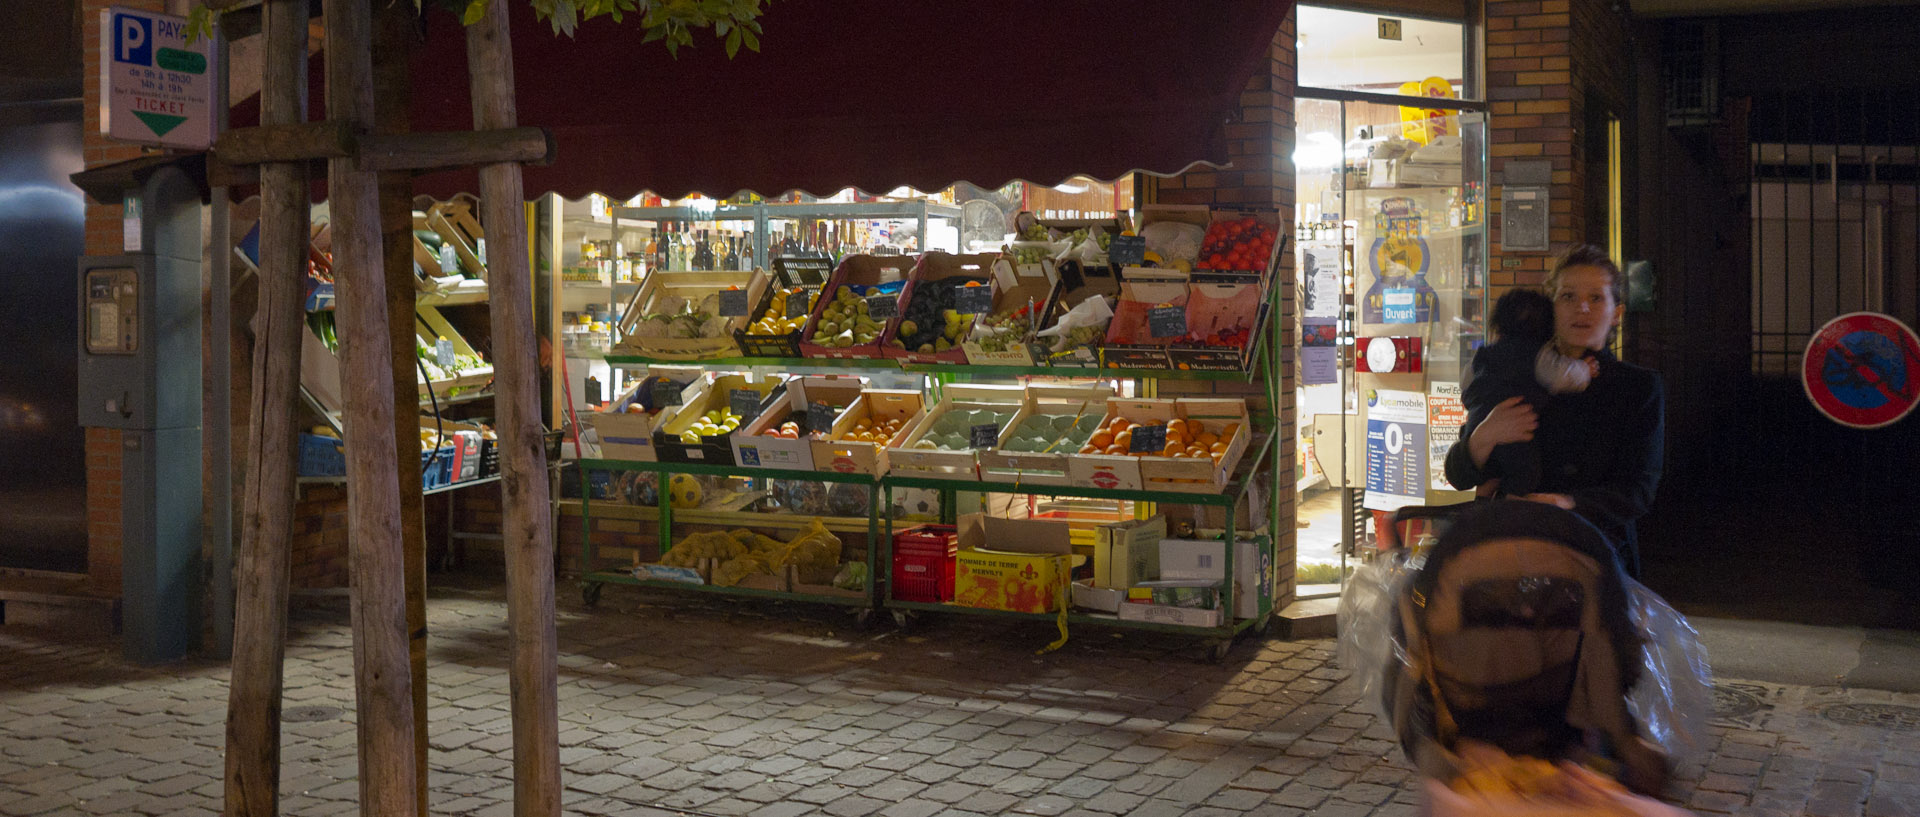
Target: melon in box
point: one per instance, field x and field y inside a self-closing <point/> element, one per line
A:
<point x="859" y="444"/>
<point x="940" y="445"/>
<point x="1053" y="423"/>
<point x="1021" y="295"/>
<point x="683" y="438"/>
<point x="836" y="325"/>
<point x="780" y="436"/>
<point x="934" y="317"/>
<point x="1022" y="565"/>
<point x="677" y="315"/>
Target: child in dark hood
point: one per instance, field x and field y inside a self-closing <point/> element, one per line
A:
<point x="1521" y="362"/>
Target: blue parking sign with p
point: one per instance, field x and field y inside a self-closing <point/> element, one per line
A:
<point x="132" y="39"/>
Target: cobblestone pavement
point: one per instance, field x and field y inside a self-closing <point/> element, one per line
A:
<point x="715" y="707"/>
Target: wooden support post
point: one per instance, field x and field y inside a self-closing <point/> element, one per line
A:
<point x="526" y="528"/>
<point x="266" y="527"/>
<point x="382" y="683"/>
<point x="393" y="36"/>
<point x="422" y="151"/>
<point x="285" y="142"/>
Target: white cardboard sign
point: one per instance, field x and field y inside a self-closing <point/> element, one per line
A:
<point x="155" y="87"/>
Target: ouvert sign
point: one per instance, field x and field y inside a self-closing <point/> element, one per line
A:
<point x="155" y="87"/>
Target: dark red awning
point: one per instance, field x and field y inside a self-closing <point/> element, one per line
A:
<point x="866" y="93"/>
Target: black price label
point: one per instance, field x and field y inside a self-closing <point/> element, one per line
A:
<point x="1148" y="440"/>
<point x="1127" y="251"/>
<point x="733" y="303"/>
<point x="1072" y="277"/>
<point x="973" y="300"/>
<point x="797" y="304"/>
<point x="986" y="435"/>
<point x="1040" y="351"/>
<point x="820" y="417"/>
<point x="882" y="307"/>
<point x="1167" y="321"/>
<point x="665" y="393"/>
<point x="593" y="392"/>
<point x="744" y="402"/>
<point x="443" y="353"/>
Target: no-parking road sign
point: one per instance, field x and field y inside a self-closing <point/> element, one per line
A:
<point x="1862" y="370"/>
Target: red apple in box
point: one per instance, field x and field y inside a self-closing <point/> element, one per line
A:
<point x="1237" y="244"/>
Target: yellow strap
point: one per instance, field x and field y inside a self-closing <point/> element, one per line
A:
<point x="1064" y="594"/>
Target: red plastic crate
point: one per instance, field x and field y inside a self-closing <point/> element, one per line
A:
<point x="923" y="563"/>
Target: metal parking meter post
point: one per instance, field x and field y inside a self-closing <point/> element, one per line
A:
<point x="140" y="373"/>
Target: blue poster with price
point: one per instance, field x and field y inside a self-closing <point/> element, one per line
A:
<point x="1396" y="449"/>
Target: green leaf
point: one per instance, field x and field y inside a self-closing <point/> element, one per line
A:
<point x="476" y="11"/>
<point x="753" y="42"/>
<point x="720" y="28"/>
<point x="733" y="42"/>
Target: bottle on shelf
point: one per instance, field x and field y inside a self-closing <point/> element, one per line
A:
<point x="684" y="244"/>
<point x="650" y="255"/>
<point x="788" y="246"/>
<point x="703" y="253"/>
<point x="731" y="261"/>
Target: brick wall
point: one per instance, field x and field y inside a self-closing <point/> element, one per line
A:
<point x="1542" y="85"/>
<point x="102" y="238"/>
<point x="1261" y="175"/>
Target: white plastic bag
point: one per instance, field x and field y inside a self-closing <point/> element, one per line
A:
<point x="1370" y="646"/>
<point x="1674" y="699"/>
<point x="1093" y="312"/>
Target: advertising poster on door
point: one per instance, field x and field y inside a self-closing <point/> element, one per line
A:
<point x="1319" y="351"/>
<point x="1396" y="449"/>
<point x="1398" y="258"/>
<point x="1446" y="416"/>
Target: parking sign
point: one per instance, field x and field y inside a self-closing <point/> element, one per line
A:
<point x="157" y="88"/>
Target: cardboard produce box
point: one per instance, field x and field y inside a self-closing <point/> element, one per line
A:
<point x="845" y="456"/>
<point x="625" y="428"/>
<point x="909" y="457"/>
<point x="652" y="325"/>
<point x="1044" y="465"/>
<point x="1087" y="596"/>
<point x="1131" y="342"/>
<point x="920" y="302"/>
<point x="1079" y="283"/>
<point x="1168" y="614"/>
<point x="1195" y="559"/>
<point x="1026" y="570"/>
<point x="1127" y="553"/>
<point x="710" y="393"/>
<point x="754" y="447"/>
<point x="1016" y="287"/>
<point x="860" y="271"/>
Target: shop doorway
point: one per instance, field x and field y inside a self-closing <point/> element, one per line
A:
<point x="1390" y="180"/>
<point x="43" y="525"/>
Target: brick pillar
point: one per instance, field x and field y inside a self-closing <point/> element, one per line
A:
<point x="102" y="238"/>
<point x="1542" y="84"/>
<point x="1261" y="175"/>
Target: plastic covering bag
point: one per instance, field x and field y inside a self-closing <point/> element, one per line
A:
<point x="1492" y="784"/>
<point x="1370" y="646"/>
<point x="1674" y="699"/>
<point x="1092" y="314"/>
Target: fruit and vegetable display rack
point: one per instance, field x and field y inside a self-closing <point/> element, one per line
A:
<point x="789" y="406"/>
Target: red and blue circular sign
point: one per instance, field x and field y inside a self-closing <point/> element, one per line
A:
<point x="1862" y="370"/>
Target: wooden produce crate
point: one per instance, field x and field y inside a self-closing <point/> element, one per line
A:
<point x="857" y="457"/>
<point x="436" y="327"/>
<point x="1043" y="467"/>
<point x="1226" y="417"/>
<point x="1119" y="471"/>
<point x="935" y="266"/>
<point x="1018" y="286"/>
<point x="1130" y="342"/>
<point x="907" y="460"/>
<point x="1078" y="283"/>
<point x="710" y="393"/>
<point x="626" y="434"/>
<point x="752" y="448"/>
<point x="702" y="289"/>
<point x="862" y="271"/>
